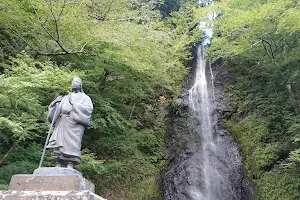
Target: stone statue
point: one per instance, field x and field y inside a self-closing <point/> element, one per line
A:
<point x="71" y="114"/>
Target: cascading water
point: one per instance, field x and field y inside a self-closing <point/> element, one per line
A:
<point x="204" y="162"/>
<point x="201" y="106"/>
<point x="200" y="103"/>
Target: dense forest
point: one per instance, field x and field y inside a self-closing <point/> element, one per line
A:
<point x="132" y="56"/>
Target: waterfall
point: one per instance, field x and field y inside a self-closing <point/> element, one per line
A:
<point x="204" y="161"/>
<point x="201" y="105"/>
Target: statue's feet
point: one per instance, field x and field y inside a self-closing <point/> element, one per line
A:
<point x="58" y="165"/>
<point x="70" y="165"/>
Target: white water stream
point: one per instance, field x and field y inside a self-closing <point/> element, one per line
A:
<point x="201" y="104"/>
<point x="205" y="164"/>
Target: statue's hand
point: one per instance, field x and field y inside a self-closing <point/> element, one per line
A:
<point x="57" y="99"/>
<point x="70" y="98"/>
<point x="68" y="109"/>
<point x="71" y="116"/>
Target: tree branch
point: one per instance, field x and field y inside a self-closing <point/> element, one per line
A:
<point x="4" y="157"/>
<point x="56" y="39"/>
<point x="60" y="53"/>
<point x="103" y="80"/>
<point x="252" y="45"/>
<point x="55" y="35"/>
<point x="56" y="18"/>
<point x="62" y="10"/>
<point x="108" y="9"/>
<point x="271" y="55"/>
<point x="21" y="38"/>
<point x="99" y="14"/>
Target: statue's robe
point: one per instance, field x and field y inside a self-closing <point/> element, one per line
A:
<point x="70" y="122"/>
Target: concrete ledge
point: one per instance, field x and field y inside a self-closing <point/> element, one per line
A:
<point x="29" y="182"/>
<point x="49" y="195"/>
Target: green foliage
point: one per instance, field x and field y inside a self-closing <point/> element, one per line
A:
<point x="258" y="156"/>
<point x="128" y="56"/>
<point x="23" y="160"/>
<point x="275" y="185"/>
<point x="148" y="143"/>
<point x="25" y="86"/>
<point x="115" y="174"/>
<point x="174" y="5"/>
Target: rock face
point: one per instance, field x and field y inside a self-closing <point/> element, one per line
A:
<point x="184" y="178"/>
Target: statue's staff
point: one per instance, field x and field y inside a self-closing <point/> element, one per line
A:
<point x="53" y="119"/>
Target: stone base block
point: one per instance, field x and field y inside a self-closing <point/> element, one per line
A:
<point x="66" y="182"/>
<point x="48" y="195"/>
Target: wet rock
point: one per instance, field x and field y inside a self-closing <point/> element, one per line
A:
<point x="183" y="178"/>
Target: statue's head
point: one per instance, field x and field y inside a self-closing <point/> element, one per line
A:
<point x="77" y="84"/>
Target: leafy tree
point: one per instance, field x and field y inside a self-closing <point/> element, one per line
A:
<point x="129" y="58"/>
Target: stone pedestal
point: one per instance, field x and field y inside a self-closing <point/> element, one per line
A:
<point x="48" y="195"/>
<point x="54" y="183"/>
<point x="28" y="182"/>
